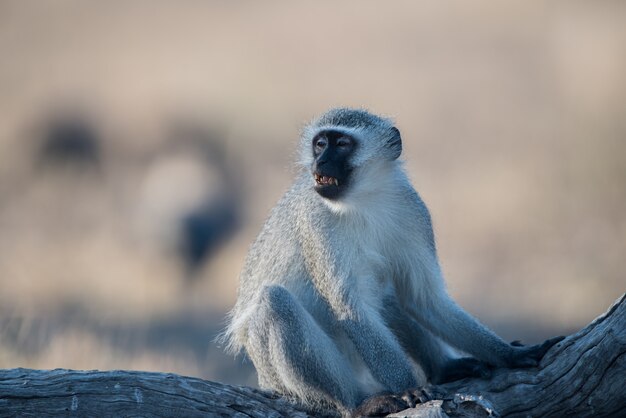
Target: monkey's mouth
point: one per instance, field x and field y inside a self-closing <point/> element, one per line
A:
<point x="330" y="187"/>
<point x="325" y="180"/>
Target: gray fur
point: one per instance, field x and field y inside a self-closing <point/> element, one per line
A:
<point x="336" y="298"/>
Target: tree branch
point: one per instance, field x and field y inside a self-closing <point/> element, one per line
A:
<point x="582" y="376"/>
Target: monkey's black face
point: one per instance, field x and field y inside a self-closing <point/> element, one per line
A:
<point x="331" y="169"/>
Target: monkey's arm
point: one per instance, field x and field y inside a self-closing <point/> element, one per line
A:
<point x="446" y="319"/>
<point x="437" y="312"/>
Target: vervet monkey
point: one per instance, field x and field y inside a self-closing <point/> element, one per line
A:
<point x="342" y="294"/>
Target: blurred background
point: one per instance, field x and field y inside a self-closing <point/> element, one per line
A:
<point x="143" y="143"/>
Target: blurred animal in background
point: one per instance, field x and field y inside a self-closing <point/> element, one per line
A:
<point x="190" y="200"/>
<point x="186" y="197"/>
<point x="342" y="290"/>
<point x="69" y="140"/>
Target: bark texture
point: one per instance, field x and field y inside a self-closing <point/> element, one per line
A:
<point x="120" y="393"/>
<point x="583" y="376"/>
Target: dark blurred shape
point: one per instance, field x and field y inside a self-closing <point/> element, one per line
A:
<point x="204" y="229"/>
<point x="70" y="140"/>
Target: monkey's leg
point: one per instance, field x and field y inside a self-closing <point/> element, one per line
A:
<point x="294" y="355"/>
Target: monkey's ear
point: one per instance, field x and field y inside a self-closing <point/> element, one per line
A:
<point x="395" y="143"/>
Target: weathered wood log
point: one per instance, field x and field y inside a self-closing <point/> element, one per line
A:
<point x="120" y="393"/>
<point x="582" y="376"/>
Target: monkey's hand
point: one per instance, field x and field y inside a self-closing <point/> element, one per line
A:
<point x="390" y="403"/>
<point x="530" y="356"/>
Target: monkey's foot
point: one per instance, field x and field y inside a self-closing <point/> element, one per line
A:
<point x="390" y="403"/>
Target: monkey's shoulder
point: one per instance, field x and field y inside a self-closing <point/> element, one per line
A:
<point x="277" y="248"/>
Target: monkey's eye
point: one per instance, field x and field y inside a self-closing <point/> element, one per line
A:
<point x="320" y="143"/>
<point x="344" y="142"/>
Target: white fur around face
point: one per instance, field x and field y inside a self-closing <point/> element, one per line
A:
<point x="373" y="187"/>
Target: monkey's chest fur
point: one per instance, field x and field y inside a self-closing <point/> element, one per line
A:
<point x="352" y="256"/>
<point x="378" y="254"/>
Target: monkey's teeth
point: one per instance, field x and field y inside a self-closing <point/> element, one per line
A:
<point x="319" y="179"/>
